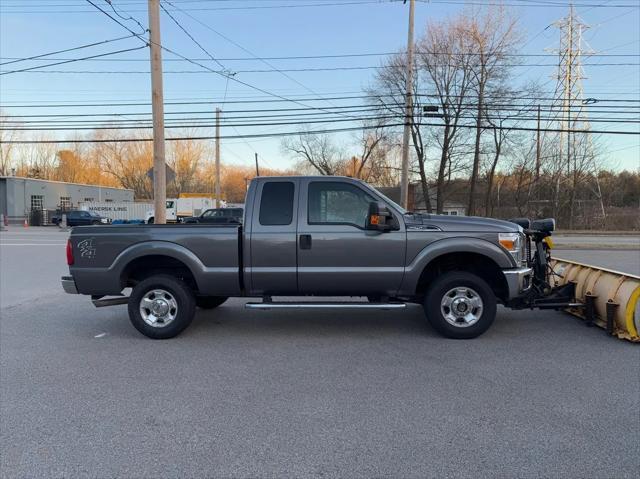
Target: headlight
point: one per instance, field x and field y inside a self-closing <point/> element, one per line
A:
<point x="514" y="244"/>
<point x="104" y="220"/>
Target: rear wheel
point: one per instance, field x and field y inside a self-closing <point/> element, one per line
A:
<point x="209" y="302"/>
<point x="150" y="220"/>
<point x="460" y="305"/>
<point x="161" y="306"/>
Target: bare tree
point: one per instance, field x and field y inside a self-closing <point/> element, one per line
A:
<point x="128" y="162"/>
<point x="370" y="142"/>
<point x="441" y="54"/>
<point x="315" y="150"/>
<point x="490" y="38"/>
<point x="186" y="158"/>
<point x="389" y="91"/>
<point x="8" y="133"/>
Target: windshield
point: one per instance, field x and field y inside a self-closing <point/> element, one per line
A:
<point x="93" y="213"/>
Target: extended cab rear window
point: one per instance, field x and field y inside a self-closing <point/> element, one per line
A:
<point x="276" y="204"/>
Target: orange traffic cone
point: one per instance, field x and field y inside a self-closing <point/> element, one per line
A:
<point x="26" y="223"/>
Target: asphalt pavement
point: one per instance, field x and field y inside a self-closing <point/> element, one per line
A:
<point x="597" y="241"/>
<point x="289" y="394"/>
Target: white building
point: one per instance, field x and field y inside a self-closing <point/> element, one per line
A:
<point x="20" y="197"/>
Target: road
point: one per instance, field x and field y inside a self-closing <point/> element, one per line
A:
<point x="284" y="394"/>
<point x="594" y="241"/>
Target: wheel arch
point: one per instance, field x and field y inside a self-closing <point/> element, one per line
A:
<point x="477" y="256"/>
<point x="146" y="259"/>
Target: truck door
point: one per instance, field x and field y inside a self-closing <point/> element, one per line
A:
<point x="336" y="255"/>
<point x="273" y="237"/>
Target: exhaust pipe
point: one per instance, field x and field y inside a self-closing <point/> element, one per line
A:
<point x="612" y="298"/>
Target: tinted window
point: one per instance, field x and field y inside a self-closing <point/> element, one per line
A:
<point x="338" y="203"/>
<point x="212" y="214"/>
<point x="276" y="205"/>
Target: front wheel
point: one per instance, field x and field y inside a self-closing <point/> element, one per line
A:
<point x="161" y="306"/>
<point x="460" y="305"/>
<point x="150" y="220"/>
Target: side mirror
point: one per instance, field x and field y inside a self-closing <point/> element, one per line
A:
<point x="380" y="218"/>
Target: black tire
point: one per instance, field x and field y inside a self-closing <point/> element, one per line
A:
<point x="95" y="223"/>
<point x="178" y="291"/>
<point x="150" y="221"/>
<point x="209" y="302"/>
<point x="470" y="284"/>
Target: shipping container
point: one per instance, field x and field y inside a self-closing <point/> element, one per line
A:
<point x="118" y="211"/>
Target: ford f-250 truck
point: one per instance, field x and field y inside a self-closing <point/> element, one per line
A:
<point x="307" y="237"/>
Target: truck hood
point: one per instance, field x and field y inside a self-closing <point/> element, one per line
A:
<point x="417" y="221"/>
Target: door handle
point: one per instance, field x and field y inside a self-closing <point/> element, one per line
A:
<point x="305" y="241"/>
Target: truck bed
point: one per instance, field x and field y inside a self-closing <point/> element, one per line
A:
<point x="102" y="252"/>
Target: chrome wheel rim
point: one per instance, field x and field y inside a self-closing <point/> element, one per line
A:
<point x="461" y="307"/>
<point x="158" y="308"/>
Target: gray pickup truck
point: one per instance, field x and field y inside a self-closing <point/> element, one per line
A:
<point x="307" y="237"/>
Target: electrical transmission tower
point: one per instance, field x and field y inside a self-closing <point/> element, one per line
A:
<point x="573" y="144"/>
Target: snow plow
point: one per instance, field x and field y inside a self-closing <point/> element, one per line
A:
<point x="601" y="297"/>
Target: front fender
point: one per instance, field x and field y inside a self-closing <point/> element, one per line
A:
<point x="478" y="246"/>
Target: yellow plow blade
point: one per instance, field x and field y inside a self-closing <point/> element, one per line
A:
<point x="612" y="298"/>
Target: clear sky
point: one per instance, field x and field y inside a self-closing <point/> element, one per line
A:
<point x="284" y="28"/>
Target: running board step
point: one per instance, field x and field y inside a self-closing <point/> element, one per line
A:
<point x="324" y="305"/>
<point x="101" y="303"/>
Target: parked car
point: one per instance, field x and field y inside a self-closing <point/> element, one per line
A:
<point x="218" y="216"/>
<point x="80" y="218"/>
<point x="314" y="237"/>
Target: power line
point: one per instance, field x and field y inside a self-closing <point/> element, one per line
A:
<point x="357" y="55"/>
<point x="282" y="70"/>
<point x="80" y="47"/>
<point x="190" y="36"/>
<point x="251" y="7"/>
<point x="225" y="75"/>
<point x="494" y="107"/>
<point x="308" y="132"/>
<point x="131" y="140"/>
<point x="226" y="38"/>
<point x="265" y="120"/>
<point x="120" y="23"/>
<point x="516" y="3"/>
<point x="29" y="69"/>
<point x="295" y="100"/>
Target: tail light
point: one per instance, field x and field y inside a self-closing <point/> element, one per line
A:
<point x="69" y="253"/>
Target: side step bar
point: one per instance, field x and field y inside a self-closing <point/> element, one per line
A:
<point x="101" y="303"/>
<point x="324" y="305"/>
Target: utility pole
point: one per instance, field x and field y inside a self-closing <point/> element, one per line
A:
<point x="404" y="175"/>
<point x="257" y="169"/>
<point x="157" y="109"/>
<point x="217" y="157"/>
<point x="538" y="148"/>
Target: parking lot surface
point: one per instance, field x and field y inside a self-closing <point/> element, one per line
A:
<point x="290" y="394"/>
